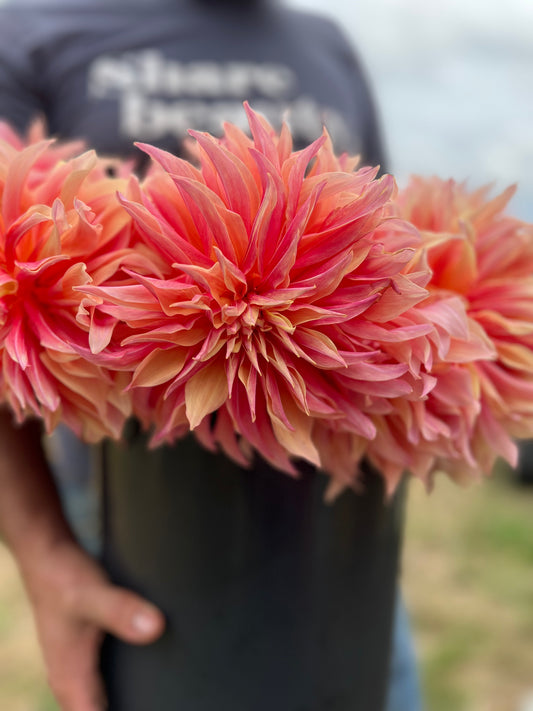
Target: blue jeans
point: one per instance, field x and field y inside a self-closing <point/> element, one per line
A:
<point x="404" y="688"/>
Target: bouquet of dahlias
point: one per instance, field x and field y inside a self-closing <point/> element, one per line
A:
<point x="276" y="302"/>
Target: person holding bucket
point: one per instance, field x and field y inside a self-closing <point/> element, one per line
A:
<point x="113" y="73"/>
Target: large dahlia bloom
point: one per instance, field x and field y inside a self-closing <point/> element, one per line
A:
<point x="285" y="310"/>
<point x="61" y="227"/>
<point x="410" y="434"/>
<point x="485" y="258"/>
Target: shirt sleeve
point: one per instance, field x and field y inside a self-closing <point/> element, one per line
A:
<point x="374" y="151"/>
<point x="20" y="97"/>
<point x="373" y="145"/>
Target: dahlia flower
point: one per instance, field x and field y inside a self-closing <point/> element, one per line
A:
<point x="484" y="258"/>
<point x="37" y="133"/>
<point x="60" y="227"/>
<point x="287" y="310"/>
<point x="281" y="302"/>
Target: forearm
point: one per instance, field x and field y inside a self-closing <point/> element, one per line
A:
<point x="31" y="518"/>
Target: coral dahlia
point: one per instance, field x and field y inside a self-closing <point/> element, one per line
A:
<point x="275" y="312"/>
<point x="61" y="227"/>
<point x="485" y="258"/>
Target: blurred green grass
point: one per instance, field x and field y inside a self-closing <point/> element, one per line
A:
<point x="468" y="581"/>
<point x="468" y="577"/>
<point x="22" y="678"/>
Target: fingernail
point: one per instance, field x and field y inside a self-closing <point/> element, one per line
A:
<point x="143" y="623"/>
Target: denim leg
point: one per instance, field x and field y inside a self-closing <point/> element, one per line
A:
<point x="404" y="687"/>
<point x="71" y="462"/>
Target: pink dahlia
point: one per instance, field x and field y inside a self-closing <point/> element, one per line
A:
<point x="410" y="434"/>
<point x="484" y="258"/>
<point x="61" y="227"/>
<point x="47" y="160"/>
<point x="284" y="312"/>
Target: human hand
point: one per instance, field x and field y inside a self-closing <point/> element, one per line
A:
<point x="74" y="605"/>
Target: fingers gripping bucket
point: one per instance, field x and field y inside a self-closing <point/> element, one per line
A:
<point x="274" y="600"/>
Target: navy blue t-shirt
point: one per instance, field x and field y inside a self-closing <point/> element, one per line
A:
<point x="115" y="71"/>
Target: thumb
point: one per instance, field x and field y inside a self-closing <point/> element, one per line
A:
<point x="121" y="613"/>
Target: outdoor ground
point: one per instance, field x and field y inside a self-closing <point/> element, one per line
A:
<point x="468" y="580"/>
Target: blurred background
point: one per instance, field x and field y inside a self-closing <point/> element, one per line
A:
<point x="453" y="83"/>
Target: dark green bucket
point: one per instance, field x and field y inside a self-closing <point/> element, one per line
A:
<point x="275" y="601"/>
